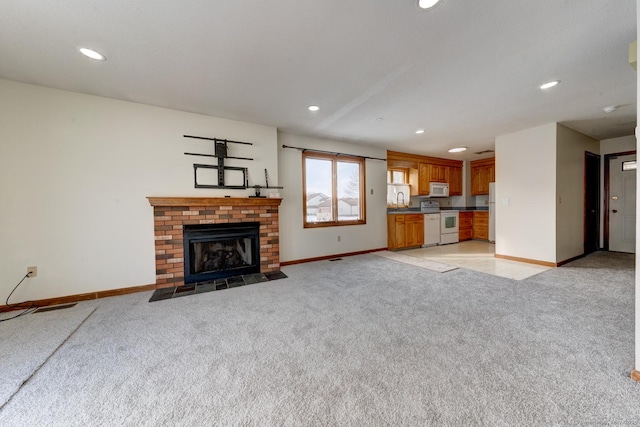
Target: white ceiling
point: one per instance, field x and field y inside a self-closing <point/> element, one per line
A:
<point x="464" y="71"/>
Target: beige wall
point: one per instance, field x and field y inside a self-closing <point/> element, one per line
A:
<point x="75" y="171"/>
<point x="526" y="180"/>
<point x="571" y="147"/>
<point x="298" y="243"/>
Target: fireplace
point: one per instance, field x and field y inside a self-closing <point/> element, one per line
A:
<point x="172" y="215"/>
<point x="216" y="251"/>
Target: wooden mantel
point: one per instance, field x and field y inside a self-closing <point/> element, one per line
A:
<point x="214" y="201"/>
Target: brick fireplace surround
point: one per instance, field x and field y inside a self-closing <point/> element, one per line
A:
<point x="172" y="213"/>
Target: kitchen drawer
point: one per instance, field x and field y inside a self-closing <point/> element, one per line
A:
<point x="399" y="218"/>
<point x="481" y="232"/>
<point x="465" y="234"/>
<point x="482" y="222"/>
<point x="414" y="217"/>
<point x="481" y="219"/>
<point x="466" y="222"/>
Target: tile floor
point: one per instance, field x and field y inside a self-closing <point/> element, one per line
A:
<point x="476" y="255"/>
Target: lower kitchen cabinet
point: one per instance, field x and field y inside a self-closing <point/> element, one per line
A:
<point x="465" y="226"/>
<point x="481" y="225"/>
<point x="405" y="230"/>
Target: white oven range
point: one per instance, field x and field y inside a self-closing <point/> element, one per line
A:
<point x="449" y="227"/>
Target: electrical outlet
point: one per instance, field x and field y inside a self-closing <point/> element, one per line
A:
<point x="338" y="238"/>
<point x="32" y="271"/>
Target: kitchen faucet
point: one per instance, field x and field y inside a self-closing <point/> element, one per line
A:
<point x="397" y="198"/>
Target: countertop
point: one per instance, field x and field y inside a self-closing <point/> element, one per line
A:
<point x="392" y="211"/>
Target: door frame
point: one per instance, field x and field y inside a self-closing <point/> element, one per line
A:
<point x="607" y="158"/>
<point x="588" y="154"/>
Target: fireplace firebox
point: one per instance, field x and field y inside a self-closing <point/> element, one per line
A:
<point x="217" y="251"/>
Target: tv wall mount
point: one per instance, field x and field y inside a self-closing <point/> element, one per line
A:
<point x="221" y="152"/>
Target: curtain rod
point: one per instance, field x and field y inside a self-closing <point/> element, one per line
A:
<point x="332" y="152"/>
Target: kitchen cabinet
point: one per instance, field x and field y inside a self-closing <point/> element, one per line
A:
<point x="465" y="226"/>
<point x="405" y="230"/>
<point x="481" y="225"/>
<point x="454" y="178"/>
<point x="423" y="170"/>
<point x="482" y="173"/>
<point x="438" y="173"/>
<point x="423" y="179"/>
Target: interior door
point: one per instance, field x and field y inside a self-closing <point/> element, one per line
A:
<point x="622" y="203"/>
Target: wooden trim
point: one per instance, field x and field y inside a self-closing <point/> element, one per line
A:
<point x="334" y="159"/>
<point x="214" y="201"/>
<point x="408" y="160"/>
<point x="84" y="297"/>
<point x="527" y="260"/>
<point x="635" y="375"/>
<point x="567" y="261"/>
<point x="322" y="258"/>
<point x="483" y="162"/>
<point x="605" y="230"/>
<point x="588" y="154"/>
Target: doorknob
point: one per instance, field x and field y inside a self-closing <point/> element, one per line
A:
<point x="615" y="211"/>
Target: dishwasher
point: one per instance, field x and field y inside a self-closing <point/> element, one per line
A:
<point x="431" y="210"/>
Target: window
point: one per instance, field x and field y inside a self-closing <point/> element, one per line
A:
<point x="631" y="165"/>
<point x="333" y="187"/>
<point x="397" y="176"/>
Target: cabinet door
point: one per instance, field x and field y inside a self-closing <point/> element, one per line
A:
<point x="454" y="178"/>
<point x="423" y="179"/>
<point x="437" y="173"/>
<point x="414" y="230"/>
<point x="465" y="234"/>
<point x="481" y="225"/>
<point x="481" y="175"/>
<point x="475" y="180"/>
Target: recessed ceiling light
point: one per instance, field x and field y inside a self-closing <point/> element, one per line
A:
<point x="458" y="149"/>
<point x="420" y="131"/>
<point x="92" y="54"/>
<point x="426" y="4"/>
<point x="313" y="108"/>
<point x="610" y="108"/>
<point x="549" y="85"/>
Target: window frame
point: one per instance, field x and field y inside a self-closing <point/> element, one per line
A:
<point x="334" y="158"/>
<point x="404" y="172"/>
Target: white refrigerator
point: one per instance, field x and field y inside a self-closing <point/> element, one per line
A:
<point x="492" y="212"/>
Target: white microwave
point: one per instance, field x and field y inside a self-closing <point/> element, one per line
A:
<point x="438" y="189"/>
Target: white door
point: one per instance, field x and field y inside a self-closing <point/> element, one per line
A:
<point x="622" y="204"/>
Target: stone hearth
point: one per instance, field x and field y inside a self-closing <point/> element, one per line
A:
<point x="172" y="213"/>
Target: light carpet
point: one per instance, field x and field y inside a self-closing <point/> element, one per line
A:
<point x="358" y="342"/>
<point x="28" y="341"/>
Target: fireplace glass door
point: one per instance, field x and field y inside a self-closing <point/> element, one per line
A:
<point x="214" y="251"/>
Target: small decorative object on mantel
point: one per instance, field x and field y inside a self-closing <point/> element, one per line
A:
<point x="260" y="187"/>
<point x="220" y="152"/>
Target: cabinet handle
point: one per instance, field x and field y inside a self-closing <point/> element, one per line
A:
<point x="615" y="211"/>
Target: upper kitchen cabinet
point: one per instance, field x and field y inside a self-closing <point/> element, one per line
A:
<point x="423" y="170"/>
<point x="482" y="173"/>
<point x="437" y="173"/>
<point x="454" y="178"/>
